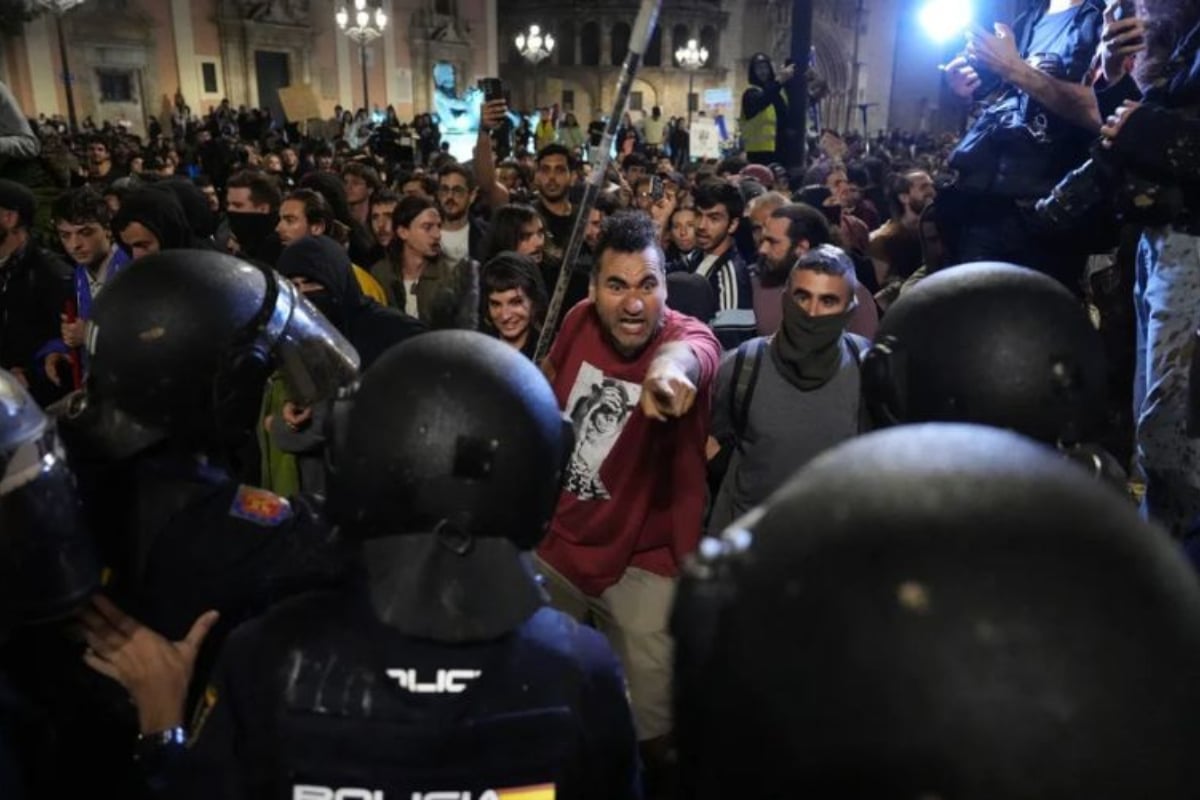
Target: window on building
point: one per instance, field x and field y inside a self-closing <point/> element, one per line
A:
<point x="635" y="101"/>
<point x="589" y="45"/>
<point x="620" y="43"/>
<point x="208" y="73"/>
<point x="653" y="54"/>
<point x="708" y="40"/>
<point x="565" y="43"/>
<point x="568" y="99"/>
<point x="116" y="87"/>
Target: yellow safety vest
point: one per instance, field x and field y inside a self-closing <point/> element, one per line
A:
<point x="758" y="132"/>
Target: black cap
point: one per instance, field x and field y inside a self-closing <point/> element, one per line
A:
<point x="17" y="197"/>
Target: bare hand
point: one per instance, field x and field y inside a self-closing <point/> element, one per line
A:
<point x="996" y="52"/>
<point x="296" y="416"/>
<point x="154" y="671"/>
<point x="1116" y="122"/>
<point x="73" y="332"/>
<point x="19" y="374"/>
<point x="787" y="73"/>
<point x="1119" y="40"/>
<point x="52" y="364"/>
<point x="667" y="393"/>
<point x="493" y="113"/>
<point x="962" y="78"/>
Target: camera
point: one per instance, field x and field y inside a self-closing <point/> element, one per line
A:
<point x="1102" y="186"/>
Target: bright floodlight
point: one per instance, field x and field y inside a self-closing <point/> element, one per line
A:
<point x="945" y="19"/>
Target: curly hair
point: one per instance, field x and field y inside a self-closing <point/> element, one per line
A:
<point x="628" y="232"/>
<point x="1167" y="21"/>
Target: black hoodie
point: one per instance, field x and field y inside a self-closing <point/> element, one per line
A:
<point x="159" y="212"/>
<point x="370" y="327"/>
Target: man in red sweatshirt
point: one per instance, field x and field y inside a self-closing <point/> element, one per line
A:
<point x="635" y="378"/>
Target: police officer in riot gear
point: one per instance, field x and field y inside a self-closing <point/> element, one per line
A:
<point x="994" y="344"/>
<point x="439" y="669"/>
<point x="982" y="621"/>
<point x="48" y="565"/>
<point x="179" y="348"/>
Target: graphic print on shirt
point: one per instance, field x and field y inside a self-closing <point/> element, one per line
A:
<point x="599" y="406"/>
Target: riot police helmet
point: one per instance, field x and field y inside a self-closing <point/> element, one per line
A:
<point x="180" y="346"/>
<point x="939" y="610"/>
<point x="989" y="343"/>
<point x="447" y="461"/>
<point x="48" y="561"/>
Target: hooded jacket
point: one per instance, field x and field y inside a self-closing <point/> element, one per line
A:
<point x="370" y="327"/>
<point x="158" y="211"/>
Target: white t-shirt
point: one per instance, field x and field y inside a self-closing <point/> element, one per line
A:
<point x="410" y="298"/>
<point x="456" y="244"/>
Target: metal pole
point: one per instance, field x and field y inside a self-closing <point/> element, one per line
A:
<point x="362" y="48"/>
<point x="691" y="78"/>
<point x="797" y="89"/>
<point x="62" y="48"/>
<point x="647" y="18"/>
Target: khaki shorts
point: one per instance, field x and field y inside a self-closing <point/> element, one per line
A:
<point x="633" y="615"/>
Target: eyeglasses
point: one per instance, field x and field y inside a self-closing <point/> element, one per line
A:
<point x="457" y="191"/>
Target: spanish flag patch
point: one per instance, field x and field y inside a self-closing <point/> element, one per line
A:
<point x="260" y="506"/>
<point x="543" y="791"/>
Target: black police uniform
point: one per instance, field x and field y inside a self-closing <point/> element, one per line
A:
<point x="350" y="702"/>
<point x="180" y="347"/>
<point x="438" y="668"/>
<point x="48" y="568"/>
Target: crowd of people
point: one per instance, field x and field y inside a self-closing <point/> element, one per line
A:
<point x="330" y="500"/>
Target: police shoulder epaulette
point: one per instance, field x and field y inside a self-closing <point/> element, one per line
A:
<point x="260" y="506"/>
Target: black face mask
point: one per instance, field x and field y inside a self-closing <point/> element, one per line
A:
<point x="327" y="304"/>
<point x="807" y="350"/>
<point x="254" y="233"/>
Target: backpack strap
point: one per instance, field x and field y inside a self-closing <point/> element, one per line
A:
<point x="857" y="352"/>
<point x="745" y="376"/>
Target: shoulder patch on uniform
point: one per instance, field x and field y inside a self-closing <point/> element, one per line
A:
<point x="260" y="506"/>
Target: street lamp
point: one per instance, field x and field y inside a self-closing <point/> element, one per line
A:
<point x="536" y="47"/>
<point x="367" y="28"/>
<point x="691" y="58"/>
<point x="58" y="8"/>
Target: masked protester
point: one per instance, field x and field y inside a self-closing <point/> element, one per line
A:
<point x="783" y="399"/>
<point x="923" y="612"/>
<point x="48" y="569"/>
<point x="440" y="663"/>
<point x="993" y="344"/>
<point x="171" y="397"/>
<point x="292" y="436"/>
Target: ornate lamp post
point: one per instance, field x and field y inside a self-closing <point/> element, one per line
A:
<point x="691" y="58"/>
<point x="535" y="47"/>
<point x="58" y="8"/>
<point x="367" y="28"/>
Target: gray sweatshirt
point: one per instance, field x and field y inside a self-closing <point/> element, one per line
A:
<point x="16" y="137"/>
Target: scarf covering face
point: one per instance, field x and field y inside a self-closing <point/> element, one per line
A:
<point x="807" y="350"/>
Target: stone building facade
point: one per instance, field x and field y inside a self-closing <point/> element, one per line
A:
<point x="128" y="58"/>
